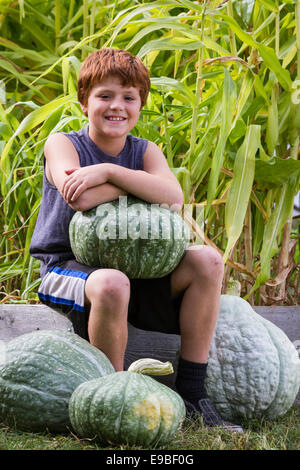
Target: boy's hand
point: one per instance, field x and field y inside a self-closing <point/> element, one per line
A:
<point x="80" y="179"/>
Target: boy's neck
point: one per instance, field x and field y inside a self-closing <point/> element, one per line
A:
<point x="111" y="146"/>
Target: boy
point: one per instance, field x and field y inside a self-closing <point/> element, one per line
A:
<point x="98" y="164"/>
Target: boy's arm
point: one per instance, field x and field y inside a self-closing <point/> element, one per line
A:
<point x="60" y="154"/>
<point x="155" y="184"/>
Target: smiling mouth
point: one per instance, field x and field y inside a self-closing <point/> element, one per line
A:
<point x="115" y="118"/>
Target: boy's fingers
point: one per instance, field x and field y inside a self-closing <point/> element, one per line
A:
<point x="77" y="192"/>
<point x="68" y="184"/>
<point x="73" y="189"/>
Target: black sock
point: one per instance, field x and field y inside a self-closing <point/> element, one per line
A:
<point x="190" y="380"/>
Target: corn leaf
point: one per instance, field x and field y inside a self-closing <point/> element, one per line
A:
<point x="170" y="44"/>
<point x="272" y="62"/>
<point x="269" y="5"/>
<point x="272" y="123"/>
<point x="166" y="84"/>
<point x="32" y="120"/>
<point x="276" y="172"/>
<point x="276" y="221"/>
<point x="228" y="108"/>
<point x="240" y="188"/>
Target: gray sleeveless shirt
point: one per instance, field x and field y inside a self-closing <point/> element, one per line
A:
<point x="50" y="241"/>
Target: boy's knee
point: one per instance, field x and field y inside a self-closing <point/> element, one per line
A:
<point x="207" y="262"/>
<point x="109" y="284"/>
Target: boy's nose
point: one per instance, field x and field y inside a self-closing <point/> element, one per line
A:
<point x="116" y="103"/>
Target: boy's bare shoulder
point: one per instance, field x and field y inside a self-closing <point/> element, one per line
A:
<point x="153" y="152"/>
<point x="55" y="142"/>
<point x="154" y="159"/>
<point x="60" y="155"/>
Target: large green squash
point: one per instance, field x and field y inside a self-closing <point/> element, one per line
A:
<point x="253" y="368"/>
<point x="140" y="239"/>
<point x="38" y="373"/>
<point x="127" y="408"/>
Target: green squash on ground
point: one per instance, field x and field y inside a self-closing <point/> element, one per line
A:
<point x="38" y="373"/>
<point x="253" y="368"/>
<point x="128" y="407"/>
<point x="140" y="239"/>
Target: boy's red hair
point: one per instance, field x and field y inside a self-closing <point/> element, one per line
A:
<point x="105" y="62"/>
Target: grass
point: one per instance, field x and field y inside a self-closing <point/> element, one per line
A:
<point x="280" y="434"/>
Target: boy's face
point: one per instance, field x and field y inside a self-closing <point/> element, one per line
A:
<point x="113" y="110"/>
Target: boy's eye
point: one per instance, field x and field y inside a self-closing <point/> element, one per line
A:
<point x="107" y="97"/>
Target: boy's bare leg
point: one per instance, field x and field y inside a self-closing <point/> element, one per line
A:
<point x="108" y="291"/>
<point x="200" y="275"/>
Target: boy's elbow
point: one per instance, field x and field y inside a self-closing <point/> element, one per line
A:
<point x="75" y="206"/>
<point x="79" y="205"/>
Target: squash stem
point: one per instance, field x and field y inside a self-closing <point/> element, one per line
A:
<point x="151" y="367"/>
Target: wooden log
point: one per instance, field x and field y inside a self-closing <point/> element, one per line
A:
<point x="16" y="320"/>
<point x="20" y="319"/>
<point x="286" y="318"/>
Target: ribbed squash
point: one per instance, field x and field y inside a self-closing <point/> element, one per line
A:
<point x="140" y="239"/>
<point x="127" y="407"/>
<point x="253" y="368"/>
<point x="38" y="373"/>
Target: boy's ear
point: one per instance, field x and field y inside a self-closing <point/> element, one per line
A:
<point x="84" y="109"/>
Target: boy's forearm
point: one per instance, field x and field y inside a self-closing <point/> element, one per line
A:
<point x="96" y="195"/>
<point x="149" y="187"/>
<point x="108" y="181"/>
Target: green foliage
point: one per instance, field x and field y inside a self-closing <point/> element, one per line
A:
<point x="219" y="71"/>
